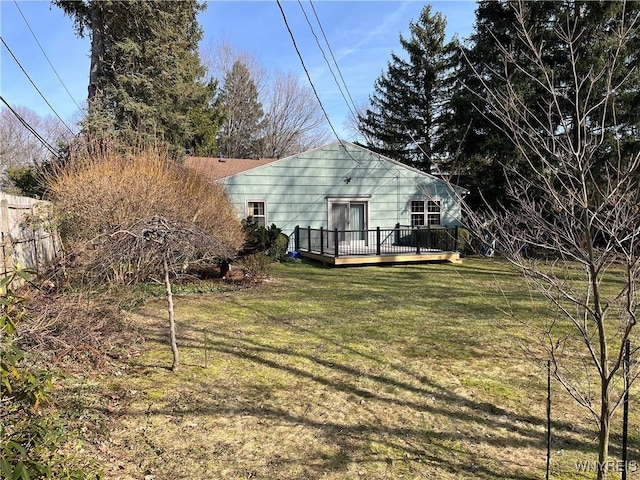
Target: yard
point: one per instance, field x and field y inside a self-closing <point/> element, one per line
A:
<point x="365" y="373"/>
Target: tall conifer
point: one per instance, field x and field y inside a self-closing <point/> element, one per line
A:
<point x="403" y="121"/>
<point x="243" y="122"/>
<point x="145" y="78"/>
<point x="473" y="136"/>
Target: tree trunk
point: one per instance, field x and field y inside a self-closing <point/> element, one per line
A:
<point x="603" y="444"/>
<point x="97" y="50"/>
<point x="172" y="322"/>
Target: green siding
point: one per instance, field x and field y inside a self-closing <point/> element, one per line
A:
<point x="296" y="188"/>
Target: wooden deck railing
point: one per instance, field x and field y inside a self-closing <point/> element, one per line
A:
<point x="380" y="241"/>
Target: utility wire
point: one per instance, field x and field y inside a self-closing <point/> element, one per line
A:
<point x="333" y="57"/>
<point x="32" y="130"/>
<point x="398" y="172"/>
<point x="354" y="112"/>
<point x="295" y="46"/>
<point x="45" y="54"/>
<point x="335" y="79"/>
<point x="34" y="85"/>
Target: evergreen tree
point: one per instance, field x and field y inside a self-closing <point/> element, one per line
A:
<point x="479" y="147"/>
<point x="145" y="78"/>
<point x="207" y="122"/>
<point x="242" y="127"/>
<point x="403" y="121"/>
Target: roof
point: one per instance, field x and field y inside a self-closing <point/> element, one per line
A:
<point x="217" y="168"/>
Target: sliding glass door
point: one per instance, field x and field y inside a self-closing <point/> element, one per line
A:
<point x="350" y="218"/>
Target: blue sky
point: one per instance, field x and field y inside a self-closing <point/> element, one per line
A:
<point x="362" y="35"/>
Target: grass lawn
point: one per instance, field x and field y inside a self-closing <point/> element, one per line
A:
<point x="407" y="372"/>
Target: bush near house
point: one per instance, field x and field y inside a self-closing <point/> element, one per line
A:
<point x="270" y="241"/>
<point x="102" y="194"/>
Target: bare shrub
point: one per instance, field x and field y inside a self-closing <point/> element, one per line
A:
<point x="101" y="192"/>
<point x="256" y="267"/>
<point x="76" y="330"/>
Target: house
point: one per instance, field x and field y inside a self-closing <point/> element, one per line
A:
<point x="341" y="188"/>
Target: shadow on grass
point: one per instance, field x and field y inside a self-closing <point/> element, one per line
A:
<point x="430" y="445"/>
<point x="349" y="440"/>
<point x="401" y="389"/>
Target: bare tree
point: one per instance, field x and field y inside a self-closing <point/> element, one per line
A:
<point x="352" y="123"/>
<point x="219" y="57"/>
<point x="19" y="146"/>
<point x="294" y="121"/>
<point x="164" y="245"/>
<point x="576" y="202"/>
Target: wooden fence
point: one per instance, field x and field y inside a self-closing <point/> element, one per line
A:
<point x="28" y="235"/>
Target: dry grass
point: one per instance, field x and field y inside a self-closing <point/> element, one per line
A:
<point x="374" y="373"/>
<point x="81" y="330"/>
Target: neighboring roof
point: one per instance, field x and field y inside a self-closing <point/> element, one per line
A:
<point x="217" y="168"/>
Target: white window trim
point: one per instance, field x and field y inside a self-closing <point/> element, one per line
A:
<point x="366" y="200"/>
<point x="266" y="209"/>
<point x="425" y="212"/>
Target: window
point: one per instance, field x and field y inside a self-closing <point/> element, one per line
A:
<point x="433" y="212"/>
<point x="425" y="213"/>
<point x="417" y="213"/>
<point x="258" y="210"/>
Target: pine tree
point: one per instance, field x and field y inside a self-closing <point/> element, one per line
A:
<point x="479" y="147"/>
<point x="241" y="130"/>
<point x="403" y="121"/>
<point x="145" y="79"/>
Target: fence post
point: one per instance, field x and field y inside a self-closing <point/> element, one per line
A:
<point x="321" y="240"/>
<point x="336" y="242"/>
<point x="7" y="244"/>
<point x="548" y="419"/>
<point x="455" y="239"/>
<point x="309" y="239"/>
<point x="35" y="238"/>
<point x="35" y="254"/>
<point x="297" y="238"/>
<point x="397" y="235"/>
<point x="429" y="242"/>
<point x="377" y="240"/>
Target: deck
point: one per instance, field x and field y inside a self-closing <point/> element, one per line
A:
<point x="379" y="246"/>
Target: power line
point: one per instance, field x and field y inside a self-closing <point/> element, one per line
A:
<point x="332" y="56"/>
<point x="397" y="172"/>
<point x="34" y="85"/>
<point x="295" y="46"/>
<point x="335" y="79"/>
<point x="32" y="130"/>
<point x="315" y="92"/>
<point x="45" y="55"/>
